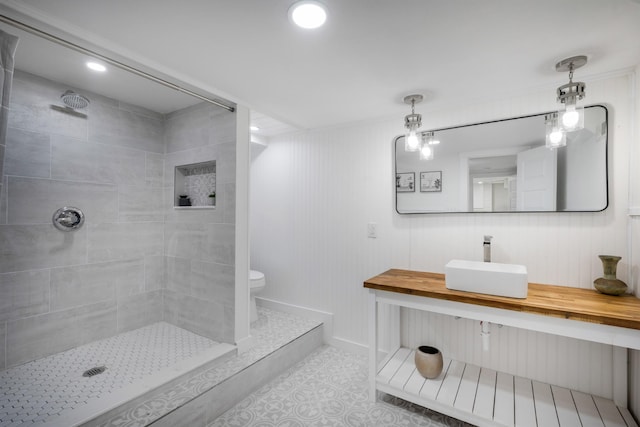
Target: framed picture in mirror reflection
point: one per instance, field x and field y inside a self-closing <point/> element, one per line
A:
<point x="430" y="181"/>
<point x="405" y="182"/>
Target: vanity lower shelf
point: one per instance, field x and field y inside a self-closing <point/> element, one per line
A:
<point x="574" y="313"/>
<point x="485" y="397"/>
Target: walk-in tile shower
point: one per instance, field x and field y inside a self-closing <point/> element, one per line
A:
<point x="93" y="246"/>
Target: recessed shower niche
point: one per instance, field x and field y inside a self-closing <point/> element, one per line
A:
<point x="195" y="186"/>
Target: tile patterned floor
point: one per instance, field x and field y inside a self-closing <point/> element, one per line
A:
<point x="36" y="391"/>
<point x="328" y="388"/>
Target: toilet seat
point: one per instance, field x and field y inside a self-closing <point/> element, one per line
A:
<point x="256" y="284"/>
<point x="256" y="279"/>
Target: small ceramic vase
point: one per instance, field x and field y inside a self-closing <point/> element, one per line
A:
<point x="428" y="361"/>
<point x="609" y="284"/>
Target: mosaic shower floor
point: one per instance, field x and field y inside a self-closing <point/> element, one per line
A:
<point x="328" y="388"/>
<point x="47" y="390"/>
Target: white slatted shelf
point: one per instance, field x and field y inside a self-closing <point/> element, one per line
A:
<point x="485" y="397"/>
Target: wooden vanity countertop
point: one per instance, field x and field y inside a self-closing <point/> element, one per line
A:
<point x="586" y="305"/>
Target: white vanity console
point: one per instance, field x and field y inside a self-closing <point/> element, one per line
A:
<point x="485" y="397"/>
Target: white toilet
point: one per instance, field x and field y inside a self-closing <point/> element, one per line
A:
<point x="257" y="282"/>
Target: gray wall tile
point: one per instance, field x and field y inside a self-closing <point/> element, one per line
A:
<point x="34" y="200"/>
<point x="77" y="160"/>
<point x="124" y="106"/>
<point x="31" y="89"/>
<point x="4" y="118"/>
<point x="202" y="280"/>
<point x="185" y="240"/>
<point x="99" y="100"/>
<point x="42" y="118"/>
<point x="37" y="336"/>
<point x="29" y="247"/>
<point x="221" y="243"/>
<point x="226" y="163"/>
<point x="207" y="318"/>
<point x="140" y="203"/>
<point x="3" y="200"/>
<point x="154" y="169"/>
<point x="154" y="274"/>
<point x="27" y="154"/>
<point x="23" y="294"/>
<point x="228" y="205"/>
<point x="31" y="101"/>
<point x="214" y="282"/>
<point x="114" y="126"/>
<point x="3" y="337"/>
<point x="188" y="128"/>
<point x="126" y="240"/>
<point x="140" y="310"/>
<point x="87" y="284"/>
<point x="203" y="242"/>
<point x="178" y="274"/>
<point x="223" y="127"/>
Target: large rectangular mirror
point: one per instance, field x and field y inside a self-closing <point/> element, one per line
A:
<point x="504" y="166"/>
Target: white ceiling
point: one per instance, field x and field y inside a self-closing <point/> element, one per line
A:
<point x="369" y="55"/>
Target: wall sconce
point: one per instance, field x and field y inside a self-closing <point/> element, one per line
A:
<point x="572" y="117"/>
<point x="413" y="121"/>
<point x="556" y="136"/>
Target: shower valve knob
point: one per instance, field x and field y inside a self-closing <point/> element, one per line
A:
<point x="68" y="218"/>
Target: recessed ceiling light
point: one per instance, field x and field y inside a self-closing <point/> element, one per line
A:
<point x="96" y="67"/>
<point x="308" y="14"/>
<point x="254" y="128"/>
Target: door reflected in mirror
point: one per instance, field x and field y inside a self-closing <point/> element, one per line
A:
<point x="504" y="166"/>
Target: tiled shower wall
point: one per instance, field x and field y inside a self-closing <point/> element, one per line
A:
<point x="200" y="243"/>
<point x="57" y="289"/>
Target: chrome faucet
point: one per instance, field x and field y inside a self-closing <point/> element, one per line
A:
<point x="487" y="248"/>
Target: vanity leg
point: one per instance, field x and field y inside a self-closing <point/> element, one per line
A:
<point x="393" y="331"/>
<point x="620" y="368"/>
<point x="373" y="344"/>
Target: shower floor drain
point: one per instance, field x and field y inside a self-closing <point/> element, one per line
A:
<point x="94" y="371"/>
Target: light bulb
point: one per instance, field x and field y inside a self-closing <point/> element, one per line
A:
<point x="426" y="152"/>
<point x="412" y="142"/>
<point x="555" y="137"/>
<point x="570" y="118"/>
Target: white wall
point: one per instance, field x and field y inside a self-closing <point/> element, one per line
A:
<point x="313" y="194"/>
<point x="634" y="238"/>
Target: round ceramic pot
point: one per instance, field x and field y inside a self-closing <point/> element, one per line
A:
<point x="428" y="361"/>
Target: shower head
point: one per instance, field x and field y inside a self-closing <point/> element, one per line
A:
<point x="74" y="100"/>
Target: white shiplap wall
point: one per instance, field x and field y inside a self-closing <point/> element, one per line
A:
<point x="313" y="193"/>
<point x="634" y="243"/>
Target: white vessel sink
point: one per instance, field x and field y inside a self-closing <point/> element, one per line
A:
<point x="507" y="280"/>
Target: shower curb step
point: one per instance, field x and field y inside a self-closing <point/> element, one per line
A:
<point x="209" y="405"/>
<point x="97" y="411"/>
